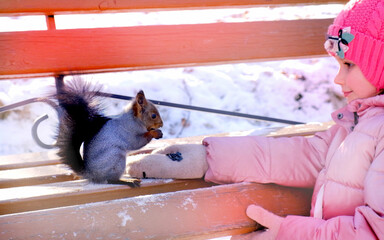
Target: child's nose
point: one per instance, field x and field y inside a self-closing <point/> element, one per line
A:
<point x="339" y="79"/>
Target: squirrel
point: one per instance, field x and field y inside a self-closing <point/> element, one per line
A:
<point x="106" y="139"/>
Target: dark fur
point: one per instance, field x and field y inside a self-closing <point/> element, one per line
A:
<point x="80" y="121"/>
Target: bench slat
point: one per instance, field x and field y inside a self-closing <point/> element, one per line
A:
<point x="212" y="211"/>
<point x="35" y="176"/>
<point x="28" y="160"/>
<point x="99" y="50"/>
<point x="58" y="6"/>
<point x="30" y="198"/>
<point x="301" y="129"/>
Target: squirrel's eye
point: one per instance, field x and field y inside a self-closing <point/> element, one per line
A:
<point x="154" y="115"/>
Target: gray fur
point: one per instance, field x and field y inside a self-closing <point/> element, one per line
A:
<point x="105" y="154"/>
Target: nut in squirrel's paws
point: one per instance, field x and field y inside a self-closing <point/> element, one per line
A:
<point x="155" y="133"/>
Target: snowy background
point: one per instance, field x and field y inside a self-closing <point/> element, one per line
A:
<point x="299" y="90"/>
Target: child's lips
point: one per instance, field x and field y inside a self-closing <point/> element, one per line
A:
<point x="346" y="94"/>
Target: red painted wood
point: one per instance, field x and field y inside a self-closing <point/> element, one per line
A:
<point x="190" y="214"/>
<point x="60" y="6"/>
<point x="143" y="47"/>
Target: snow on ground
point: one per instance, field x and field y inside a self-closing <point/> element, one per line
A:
<point x="299" y="90"/>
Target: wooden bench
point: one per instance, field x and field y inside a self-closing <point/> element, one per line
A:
<point x="40" y="198"/>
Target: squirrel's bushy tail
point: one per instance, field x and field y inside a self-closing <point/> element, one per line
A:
<point x="80" y="120"/>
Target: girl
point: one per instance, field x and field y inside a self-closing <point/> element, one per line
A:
<point x="344" y="164"/>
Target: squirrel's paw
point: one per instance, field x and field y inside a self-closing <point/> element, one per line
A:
<point x="183" y="161"/>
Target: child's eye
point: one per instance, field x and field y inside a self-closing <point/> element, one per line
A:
<point x="348" y="64"/>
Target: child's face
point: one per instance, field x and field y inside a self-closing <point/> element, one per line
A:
<point x="352" y="81"/>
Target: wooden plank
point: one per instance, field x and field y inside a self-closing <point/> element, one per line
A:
<point x="59" y="6"/>
<point x="144" y="47"/>
<point x="28" y="160"/>
<point x="37" y="197"/>
<point x="207" y="212"/>
<point x="301" y="129"/>
<point x="35" y="176"/>
<point x="288" y="131"/>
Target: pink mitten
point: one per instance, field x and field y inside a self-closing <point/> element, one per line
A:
<point x="269" y="220"/>
<point x="182" y="161"/>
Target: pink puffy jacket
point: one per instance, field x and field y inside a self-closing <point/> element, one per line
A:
<point x="345" y="165"/>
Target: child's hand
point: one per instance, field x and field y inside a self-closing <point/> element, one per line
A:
<point x="265" y="218"/>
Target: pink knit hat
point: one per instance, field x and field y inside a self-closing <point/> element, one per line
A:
<point x="357" y="34"/>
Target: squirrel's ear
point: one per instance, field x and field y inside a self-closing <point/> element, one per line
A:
<point x="139" y="104"/>
<point x="140" y="98"/>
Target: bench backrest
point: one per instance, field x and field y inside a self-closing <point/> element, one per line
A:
<point x="52" y="52"/>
